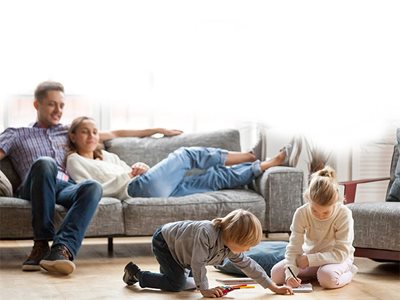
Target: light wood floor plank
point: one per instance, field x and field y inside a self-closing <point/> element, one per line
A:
<point x="99" y="276"/>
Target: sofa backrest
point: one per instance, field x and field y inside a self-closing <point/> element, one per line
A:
<point x="152" y="150"/>
<point x="395" y="161"/>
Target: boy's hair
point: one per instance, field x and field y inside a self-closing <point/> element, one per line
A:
<point x="46" y="86"/>
<point x="71" y="148"/>
<point x="323" y="187"/>
<point x="240" y="227"/>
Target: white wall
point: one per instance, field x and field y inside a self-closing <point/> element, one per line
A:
<point x="327" y="70"/>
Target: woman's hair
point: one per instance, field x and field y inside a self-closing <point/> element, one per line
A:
<point x="323" y="187"/>
<point x="71" y="147"/>
<point x="240" y="227"/>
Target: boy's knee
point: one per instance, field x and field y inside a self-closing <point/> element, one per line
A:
<point x="177" y="285"/>
<point x="327" y="279"/>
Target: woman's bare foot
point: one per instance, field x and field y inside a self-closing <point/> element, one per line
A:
<point x="277" y="160"/>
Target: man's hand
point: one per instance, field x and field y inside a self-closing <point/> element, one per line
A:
<point x="213" y="293"/>
<point x="281" y="290"/>
<point x="171" y="132"/>
<point x="138" y="169"/>
<point x="302" y="261"/>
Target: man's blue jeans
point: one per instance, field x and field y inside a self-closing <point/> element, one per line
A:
<point x="169" y="177"/>
<point x="44" y="190"/>
<point x="172" y="276"/>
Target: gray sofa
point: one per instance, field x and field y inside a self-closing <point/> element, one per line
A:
<point x="273" y="197"/>
<point x="376" y="224"/>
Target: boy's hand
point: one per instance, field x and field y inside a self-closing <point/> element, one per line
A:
<point x="292" y="282"/>
<point x="281" y="290"/>
<point x="213" y="293"/>
<point x="302" y="261"/>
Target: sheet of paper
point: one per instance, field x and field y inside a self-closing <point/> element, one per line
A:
<point x="304" y="288"/>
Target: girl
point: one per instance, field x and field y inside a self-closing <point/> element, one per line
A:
<point x="321" y="237"/>
<point x="186" y="246"/>
<point x="86" y="161"/>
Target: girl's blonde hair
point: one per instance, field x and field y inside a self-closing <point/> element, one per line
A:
<point x="240" y="227"/>
<point x="71" y="147"/>
<point x="323" y="188"/>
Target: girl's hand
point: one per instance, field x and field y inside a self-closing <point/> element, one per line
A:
<point x="292" y="282"/>
<point x="302" y="261"/>
<point x="216" y="292"/>
<point x="138" y="169"/>
<point x="281" y="290"/>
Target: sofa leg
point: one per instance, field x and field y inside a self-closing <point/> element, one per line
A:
<point x="110" y="247"/>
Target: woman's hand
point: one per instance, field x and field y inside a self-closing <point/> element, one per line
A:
<point x="281" y="290"/>
<point x="216" y="292"/>
<point x="292" y="282"/>
<point x="138" y="169"/>
<point x="171" y="132"/>
<point x="302" y="261"/>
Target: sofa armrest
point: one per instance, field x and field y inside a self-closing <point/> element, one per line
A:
<point x="350" y="187"/>
<point x="282" y="189"/>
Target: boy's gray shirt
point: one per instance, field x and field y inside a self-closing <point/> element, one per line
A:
<point x="196" y="244"/>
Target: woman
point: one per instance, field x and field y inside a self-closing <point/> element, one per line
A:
<point x="222" y="169"/>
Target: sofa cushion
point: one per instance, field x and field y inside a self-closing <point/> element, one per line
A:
<point x="6" y="189"/>
<point x="144" y="215"/>
<point x="266" y="254"/>
<point x="394" y="168"/>
<point x="374" y="223"/>
<point x="152" y="150"/>
<point x="16" y="218"/>
<point x="7" y="168"/>
<point x="107" y="221"/>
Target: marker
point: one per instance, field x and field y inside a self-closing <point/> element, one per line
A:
<point x="227" y="288"/>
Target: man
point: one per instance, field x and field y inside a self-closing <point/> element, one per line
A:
<point x="38" y="154"/>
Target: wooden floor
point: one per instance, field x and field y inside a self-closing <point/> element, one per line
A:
<point x="99" y="276"/>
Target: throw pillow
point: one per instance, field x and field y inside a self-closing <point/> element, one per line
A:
<point x="266" y="254"/>
<point x="5" y="186"/>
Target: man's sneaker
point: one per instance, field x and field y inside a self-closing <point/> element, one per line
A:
<point x="130" y="273"/>
<point x="58" y="261"/>
<point x="292" y="150"/>
<point x="40" y="249"/>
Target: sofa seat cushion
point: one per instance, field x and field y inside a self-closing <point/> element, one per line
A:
<point x="376" y="225"/>
<point x="107" y="221"/>
<point x="144" y="215"/>
<point x="15" y="218"/>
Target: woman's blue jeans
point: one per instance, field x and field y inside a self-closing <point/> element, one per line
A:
<point x="169" y="177"/>
<point x="42" y="188"/>
<point x="172" y="276"/>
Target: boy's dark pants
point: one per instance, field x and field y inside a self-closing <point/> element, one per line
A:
<point x="172" y="276"/>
